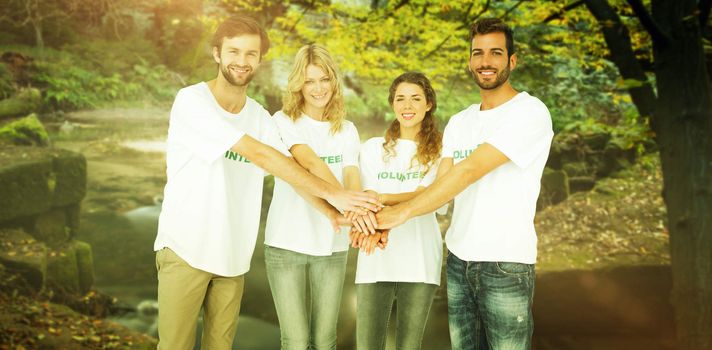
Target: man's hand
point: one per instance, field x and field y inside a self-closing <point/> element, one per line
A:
<point x="356" y="201"/>
<point x="390" y="217"/>
<point x="363" y="222"/>
<point x="337" y="220"/>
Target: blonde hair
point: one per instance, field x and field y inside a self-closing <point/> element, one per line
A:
<point x="293" y="100"/>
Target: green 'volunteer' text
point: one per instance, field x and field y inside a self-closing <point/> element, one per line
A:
<point x="389" y="175"/>
<point x="236" y="157"/>
<point x="462" y="154"/>
<point x="332" y="159"/>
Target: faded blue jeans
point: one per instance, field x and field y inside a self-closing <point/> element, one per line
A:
<point x="374" y="302"/>
<point x="306" y="323"/>
<point x="489" y="304"/>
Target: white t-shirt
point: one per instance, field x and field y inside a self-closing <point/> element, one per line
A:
<point x="211" y="206"/>
<point x="415" y="248"/>
<point x="292" y="223"/>
<point x="493" y="219"/>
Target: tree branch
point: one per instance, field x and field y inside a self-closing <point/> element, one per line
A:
<point x="466" y="20"/>
<point x="400" y="4"/>
<point x="560" y="14"/>
<point x="504" y="16"/>
<point x="648" y="23"/>
<point x="704" y="7"/>
<point x="617" y="38"/>
<point x="484" y="9"/>
<point x="438" y="47"/>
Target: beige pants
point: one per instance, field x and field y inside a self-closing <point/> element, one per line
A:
<point x="182" y="290"/>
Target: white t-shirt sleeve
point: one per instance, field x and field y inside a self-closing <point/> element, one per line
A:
<point x="368" y="161"/>
<point x="203" y="133"/>
<point x="288" y="130"/>
<point x="271" y="136"/>
<point x="352" y="145"/>
<point x="523" y="134"/>
<point x="429" y="178"/>
<point x="449" y="133"/>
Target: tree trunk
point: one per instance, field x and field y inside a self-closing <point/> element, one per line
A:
<point x="683" y="125"/>
<point x="39" y="38"/>
<point x="618" y="41"/>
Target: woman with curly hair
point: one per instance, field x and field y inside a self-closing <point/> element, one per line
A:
<point x="407" y="271"/>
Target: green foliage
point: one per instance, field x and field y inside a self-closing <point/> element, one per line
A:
<point x="85" y="75"/>
<point x="25" y="131"/>
<point x="6" y="87"/>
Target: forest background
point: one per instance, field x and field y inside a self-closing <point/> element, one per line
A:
<point x="637" y="71"/>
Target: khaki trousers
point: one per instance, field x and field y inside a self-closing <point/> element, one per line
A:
<point x="182" y="290"/>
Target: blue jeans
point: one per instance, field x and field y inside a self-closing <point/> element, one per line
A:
<point x="374" y="302"/>
<point x="306" y="323"/>
<point x="489" y="304"/>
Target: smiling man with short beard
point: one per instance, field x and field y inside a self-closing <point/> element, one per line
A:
<point x="220" y="142"/>
<point x="493" y="157"/>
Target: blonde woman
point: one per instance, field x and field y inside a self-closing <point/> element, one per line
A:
<point x="302" y="247"/>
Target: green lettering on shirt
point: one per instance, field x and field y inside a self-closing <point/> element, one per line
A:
<point x="462" y="154"/>
<point x="235" y="156"/>
<point x="332" y="159"/>
<point x="390" y="175"/>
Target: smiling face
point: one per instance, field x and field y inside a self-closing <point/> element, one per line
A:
<point x="410" y="105"/>
<point x="238" y="58"/>
<point x="489" y="62"/>
<point x="317" y="90"/>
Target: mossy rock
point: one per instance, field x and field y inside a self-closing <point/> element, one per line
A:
<point x="578" y="169"/>
<point x="596" y="140"/>
<point x="24" y="102"/>
<point x="26" y="182"/>
<point x="6" y="78"/>
<point x="581" y="183"/>
<point x="70" y="170"/>
<point x="554" y="187"/>
<point x="72" y="212"/>
<point x="21" y="253"/>
<point x="27" y="131"/>
<point x="33" y="180"/>
<point x="63" y="270"/>
<point x="51" y="227"/>
<point x="85" y="265"/>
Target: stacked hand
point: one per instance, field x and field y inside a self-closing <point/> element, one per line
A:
<point x="369" y="242"/>
<point x="365" y="234"/>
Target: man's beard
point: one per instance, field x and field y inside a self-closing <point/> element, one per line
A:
<point x="502" y="77"/>
<point x="234" y="81"/>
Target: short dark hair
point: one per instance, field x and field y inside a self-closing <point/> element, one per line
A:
<point x="493" y="25"/>
<point x="240" y="25"/>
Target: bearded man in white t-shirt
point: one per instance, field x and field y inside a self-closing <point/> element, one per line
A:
<point x="220" y="143"/>
<point x="493" y="157"/>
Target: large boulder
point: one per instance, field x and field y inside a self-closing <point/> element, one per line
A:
<point x="50" y="227"/>
<point x="26" y="101"/>
<point x="85" y="265"/>
<point x="21" y="253"/>
<point x="33" y="180"/>
<point x="580" y="168"/>
<point x="554" y="187"/>
<point x="581" y="183"/>
<point x="63" y="270"/>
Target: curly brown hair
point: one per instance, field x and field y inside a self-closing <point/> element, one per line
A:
<point x="429" y="138"/>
